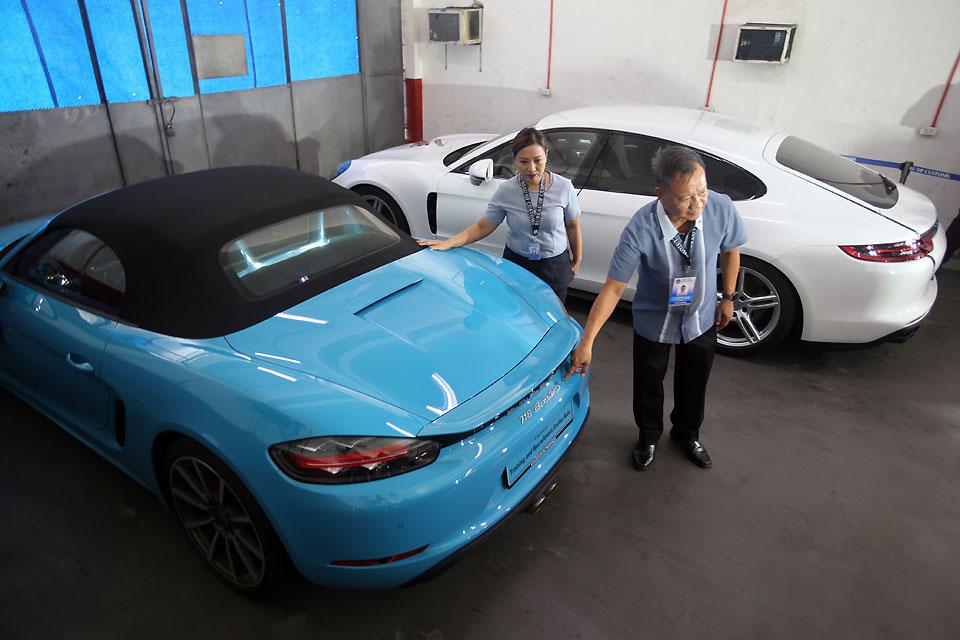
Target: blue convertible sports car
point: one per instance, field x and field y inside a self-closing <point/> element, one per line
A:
<point x="296" y="379"/>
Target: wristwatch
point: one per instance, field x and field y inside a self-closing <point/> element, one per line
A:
<point x="727" y="296"/>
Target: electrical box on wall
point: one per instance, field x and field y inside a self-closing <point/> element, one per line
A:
<point x="763" y="42"/>
<point x="456" y="25"/>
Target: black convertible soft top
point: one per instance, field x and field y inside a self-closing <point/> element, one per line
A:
<point x="168" y="234"/>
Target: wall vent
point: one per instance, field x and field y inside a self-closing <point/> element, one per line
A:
<point x="456" y="25"/>
<point x="764" y="42"/>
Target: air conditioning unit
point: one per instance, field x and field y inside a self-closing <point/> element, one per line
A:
<point x="456" y="25"/>
<point x="762" y="42"/>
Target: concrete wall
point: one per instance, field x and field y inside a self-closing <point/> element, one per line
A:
<point x="330" y="122"/>
<point x="250" y="127"/>
<point x="52" y="158"/>
<point x="862" y="78"/>
<point x="382" y="66"/>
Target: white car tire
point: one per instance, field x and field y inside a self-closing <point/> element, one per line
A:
<point x="384" y="206"/>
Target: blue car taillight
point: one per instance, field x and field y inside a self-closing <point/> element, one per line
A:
<point x="345" y="459"/>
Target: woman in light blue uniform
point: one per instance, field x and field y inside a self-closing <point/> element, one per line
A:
<point x="542" y="214"/>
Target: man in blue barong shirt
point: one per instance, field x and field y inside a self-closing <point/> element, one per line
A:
<point x="673" y="244"/>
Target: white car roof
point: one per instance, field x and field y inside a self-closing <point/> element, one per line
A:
<point x="711" y="132"/>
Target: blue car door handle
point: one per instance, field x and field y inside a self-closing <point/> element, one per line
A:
<point x="77" y="362"/>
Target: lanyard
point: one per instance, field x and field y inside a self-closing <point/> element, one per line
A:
<point x="534" y="214"/>
<point x="686" y="251"/>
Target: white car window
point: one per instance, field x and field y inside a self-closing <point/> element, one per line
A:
<point x="623" y="166"/>
<point x="502" y="158"/>
<point x="453" y="156"/>
<point x="570" y="152"/>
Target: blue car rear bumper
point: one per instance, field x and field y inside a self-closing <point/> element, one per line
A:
<point x="474" y="485"/>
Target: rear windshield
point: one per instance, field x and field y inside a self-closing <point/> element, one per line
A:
<point x="837" y="171"/>
<point x="294" y="251"/>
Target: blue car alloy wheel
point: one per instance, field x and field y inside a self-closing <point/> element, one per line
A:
<point x="304" y="385"/>
<point x="223" y="520"/>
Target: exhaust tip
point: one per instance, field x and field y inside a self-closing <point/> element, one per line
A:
<point x="540" y="499"/>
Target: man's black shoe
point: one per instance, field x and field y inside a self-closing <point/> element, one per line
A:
<point x="693" y="450"/>
<point x="643" y="456"/>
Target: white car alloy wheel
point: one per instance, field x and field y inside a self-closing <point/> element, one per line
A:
<point x="763" y="310"/>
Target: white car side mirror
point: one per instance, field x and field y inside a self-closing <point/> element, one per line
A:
<point x="481" y="171"/>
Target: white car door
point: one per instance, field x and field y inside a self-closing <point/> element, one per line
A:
<point x="460" y="203"/>
<point x="605" y="214"/>
<point x="620" y="182"/>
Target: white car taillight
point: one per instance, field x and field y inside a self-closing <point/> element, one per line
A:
<point x="894" y="251"/>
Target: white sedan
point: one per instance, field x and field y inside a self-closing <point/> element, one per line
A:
<point x="836" y="251"/>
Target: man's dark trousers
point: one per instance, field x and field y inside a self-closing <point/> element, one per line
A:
<point x="691" y="373"/>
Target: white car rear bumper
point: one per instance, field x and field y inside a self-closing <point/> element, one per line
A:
<point x="854" y="301"/>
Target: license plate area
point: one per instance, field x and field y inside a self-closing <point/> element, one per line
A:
<point x="544" y="420"/>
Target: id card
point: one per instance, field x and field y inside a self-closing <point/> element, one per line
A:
<point x="533" y="251"/>
<point x="681" y="294"/>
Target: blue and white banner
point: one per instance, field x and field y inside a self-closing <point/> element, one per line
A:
<point x="936" y="173"/>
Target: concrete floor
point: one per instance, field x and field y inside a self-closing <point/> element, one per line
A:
<point x="832" y="510"/>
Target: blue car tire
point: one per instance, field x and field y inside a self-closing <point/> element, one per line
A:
<point x="223" y="520"/>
